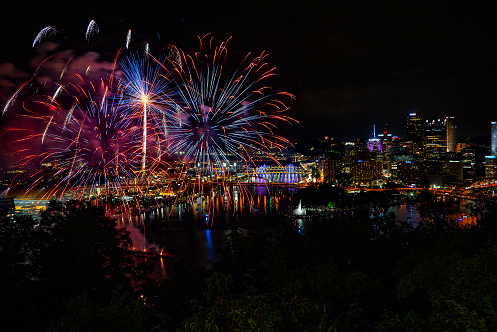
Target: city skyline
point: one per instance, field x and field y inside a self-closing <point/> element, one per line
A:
<point x="348" y="66"/>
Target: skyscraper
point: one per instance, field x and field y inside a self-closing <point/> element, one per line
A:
<point x="414" y="131"/>
<point x="414" y="126"/>
<point x="374" y="143"/>
<point x="451" y="133"/>
<point x="436" y="138"/>
<point x="494" y="137"/>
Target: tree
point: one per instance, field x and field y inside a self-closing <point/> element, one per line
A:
<point x="83" y="250"/>
<point x="344" y="179"/>
<point x="253" y="310"/>
<point x="123" y="313"/>
<point x="72" y="248"/>
<point x="454" y="293"/>
<point x="435" y="211"/>
<point x="18" y="247"/>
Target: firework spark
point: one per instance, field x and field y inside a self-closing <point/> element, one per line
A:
<point x="13" y="98"/>
<point x="47" y="31"/>
<point x="174" y="55"/>
<point x="144" y="100"/>
<point x="92" y="29"/>
<point x="128" y="38"/>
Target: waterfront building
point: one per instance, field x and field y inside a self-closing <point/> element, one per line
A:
<point x="473" y="158"/>
<point x="328" y="170"/>
<point x="490" y="167"/>
<point x="433" y="167"/>
<point x="451" y="133"/>
<point x="366" y="172"/>
<point x="405" y="171"/>
<point x="455" y="168"/>
<point x="366" y="169"/>
<point x="440" y="181"/>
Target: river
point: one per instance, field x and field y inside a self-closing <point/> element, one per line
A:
<point x="407" y="212"/>
<point x="195" y="232"/>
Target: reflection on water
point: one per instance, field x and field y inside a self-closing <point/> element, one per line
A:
<point x="195" y="231"/>
<point x="210" y="247"/>
<point x="408" y="212"/>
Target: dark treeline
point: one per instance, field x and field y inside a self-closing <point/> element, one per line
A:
<point x="333" y="196"/>
<point x="66" y="272"/>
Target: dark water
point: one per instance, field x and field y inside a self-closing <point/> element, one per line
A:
<point x="196" y="230"/>
<point x="407" y="212"/>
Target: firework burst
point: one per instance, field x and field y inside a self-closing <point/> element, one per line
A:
<point x="226" y="116"/>
<point x="145" y="103"/>
<point x="80" y="142"/>
<point x="98" y="130"/>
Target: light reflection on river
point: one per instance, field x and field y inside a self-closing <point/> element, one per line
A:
<point x="408" y="212"/>
<point x="196" y="232"/>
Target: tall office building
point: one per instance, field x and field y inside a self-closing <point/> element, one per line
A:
<point x="494" y="137"/>
<point x="414" y="126"/>
<point x="436" y="138"/>
<point x="414" y="132"/>
<point x="451" y="133"/>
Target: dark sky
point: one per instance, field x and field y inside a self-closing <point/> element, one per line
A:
<point x="350" y="64"/>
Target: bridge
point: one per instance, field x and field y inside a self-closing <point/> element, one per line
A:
<point x="481" y="194"/>
<point x="282" y="175"/>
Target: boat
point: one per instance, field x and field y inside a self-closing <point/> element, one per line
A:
<point x="142" y="253"/>
<point x="166" y="254"/>
<point x="148" y="253"/>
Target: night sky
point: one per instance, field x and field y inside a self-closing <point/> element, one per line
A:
<point x="350" y="64"/>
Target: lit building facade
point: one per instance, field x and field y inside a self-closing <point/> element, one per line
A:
<point x="374" y="143"/>
<point x="436" y="139"/>
<point x="414" y="132"/>
<point x="386" y="142"/>
<point x="490" y="167"/>
<point x="405" y="171"/>
<point x="328" y="170"/>
<point x="365" y="172"/>
<point x="473" y="158"/>
<point x="494" y="137"/>
<point x="451" y="133"/>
